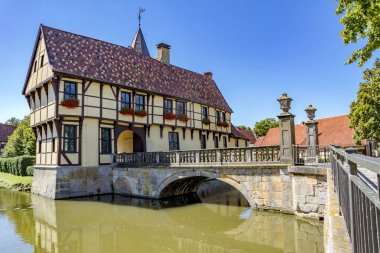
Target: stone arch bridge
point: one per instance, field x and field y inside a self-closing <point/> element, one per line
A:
<point x="257" y="173"/>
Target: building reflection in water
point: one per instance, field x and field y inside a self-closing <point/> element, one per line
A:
<point x="122" y="224"/>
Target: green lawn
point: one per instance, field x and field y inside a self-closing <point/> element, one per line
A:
<point x="9" y="180"/>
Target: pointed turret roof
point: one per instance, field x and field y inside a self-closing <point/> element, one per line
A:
<point x="138" y="43"/>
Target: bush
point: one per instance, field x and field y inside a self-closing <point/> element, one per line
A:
<point x="17" y="165"/>
<point x="30" y="170"/>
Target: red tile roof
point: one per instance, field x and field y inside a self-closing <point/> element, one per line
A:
<point x="6" y="131"/>
<point x="248" y="134"/>
<point x="334" y="130"/>
<point x="93" y="59"/>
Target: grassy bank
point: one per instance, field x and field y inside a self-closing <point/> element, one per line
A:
<point x="15" y="182"/>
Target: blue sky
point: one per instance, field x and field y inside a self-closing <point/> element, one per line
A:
<point x="256" y="49"/>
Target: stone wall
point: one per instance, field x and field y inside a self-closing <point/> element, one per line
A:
<point x="67" y="182"/>
<point x="309" y="190"/>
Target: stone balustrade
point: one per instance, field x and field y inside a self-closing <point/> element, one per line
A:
<point x="227" y="156"/>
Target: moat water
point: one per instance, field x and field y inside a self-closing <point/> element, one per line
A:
<point x="211" y="221"/>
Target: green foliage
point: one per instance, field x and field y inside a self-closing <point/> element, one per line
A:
<point x="261" y="127"/>
<point x="244" y="127"/>
<point x="365" y="111"/>
<point x="361" y="20"/>
<point x="16" y="165"/>
<point x="13" y="121"/>
<point x="22" y="141"/>
<point x="29" y="170"/>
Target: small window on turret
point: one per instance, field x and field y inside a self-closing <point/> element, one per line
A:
<point x="35" y="66"/>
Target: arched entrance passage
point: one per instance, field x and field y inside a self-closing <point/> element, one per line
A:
<point x="186" y="182"/>
<point x="130" y="139"/>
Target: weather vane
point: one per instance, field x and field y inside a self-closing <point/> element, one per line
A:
<point x="141" y="10"/>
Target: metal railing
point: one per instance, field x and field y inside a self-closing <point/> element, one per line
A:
<point x="303" y="154"/>
<point x="359" y="199"/>
<point x="248" y="155"/>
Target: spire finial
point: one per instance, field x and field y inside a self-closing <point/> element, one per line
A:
<point x="141" y="10"/>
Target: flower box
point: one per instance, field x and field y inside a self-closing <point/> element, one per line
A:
<point x="225" y="124"/>
<point x="183" y="117"/>
<point x="169" y="116"/>
<point x="70" y="103"/>
<point x="219" y="123"/>
<point x="141" y="113"/>
<point x="206" y="121"/>
<point x="127" y="111"/>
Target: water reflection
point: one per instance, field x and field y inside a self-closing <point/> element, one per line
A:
<point x="122" y="224"/>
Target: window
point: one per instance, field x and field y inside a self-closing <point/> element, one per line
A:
<point x="223" y="116"/>
<point x="224" y="142"/>
<point x="203" y="141"/>
<point x="106" y="141"/>
<point x="70" y="139"/>
<point x="181" y="110"/>
<point x="42" y="61"/>
<point x="70" y="90"/>
<point x="35" y="66"/>
<point x="216" y="142"/>
<point x="53" y="146"/>
<point x="173" y="141"/>
<point x="217" y="116"/>
<point x="39" y="146"/>
<point x="204" y="113"/>
<point x="168" y="106"/>
<point x="140" y="105"/>
<point x="125" y="100"/>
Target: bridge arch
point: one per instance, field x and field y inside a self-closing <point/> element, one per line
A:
<point x="188" y="181"/>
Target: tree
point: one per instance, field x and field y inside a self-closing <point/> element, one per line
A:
<point x="365" y="111"/>
<point x="22" y="141"/>
<point x="261" y="127"/>
<point x="361" y="20"/>
<point x="13" y="121"/>
<point x="244" y="127"/>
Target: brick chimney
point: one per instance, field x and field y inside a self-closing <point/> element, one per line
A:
<point x="163" y="53"/>
<point x="208" y="75"/>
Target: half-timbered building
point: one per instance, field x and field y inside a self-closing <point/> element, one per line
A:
<point x="89" y="99"/>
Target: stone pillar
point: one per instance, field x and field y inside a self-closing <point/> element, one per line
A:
<point x="287" y="137"/>
<point x="311" y="127"/>
<point x="312" y="133"/>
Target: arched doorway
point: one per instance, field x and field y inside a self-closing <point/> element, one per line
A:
<point x="130" y="140"/>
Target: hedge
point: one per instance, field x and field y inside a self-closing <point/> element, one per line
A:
<point x="17" y="165"/>
<point x="30" y="170"/>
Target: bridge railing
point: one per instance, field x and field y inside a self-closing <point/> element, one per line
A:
<point x="303" y="154"/>
<point x="248" y="155"/>
<point x="359" y="197"/>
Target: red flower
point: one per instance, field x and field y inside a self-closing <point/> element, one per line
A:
<point x="141" y="113"/>
<point x="127" y="111"/>
<point x="169" y="116"/>
<point x="225" y="124"/>
<point x="183" y="118"/>
<point x="70" y="103"/>
<point x="219" y="123"/>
